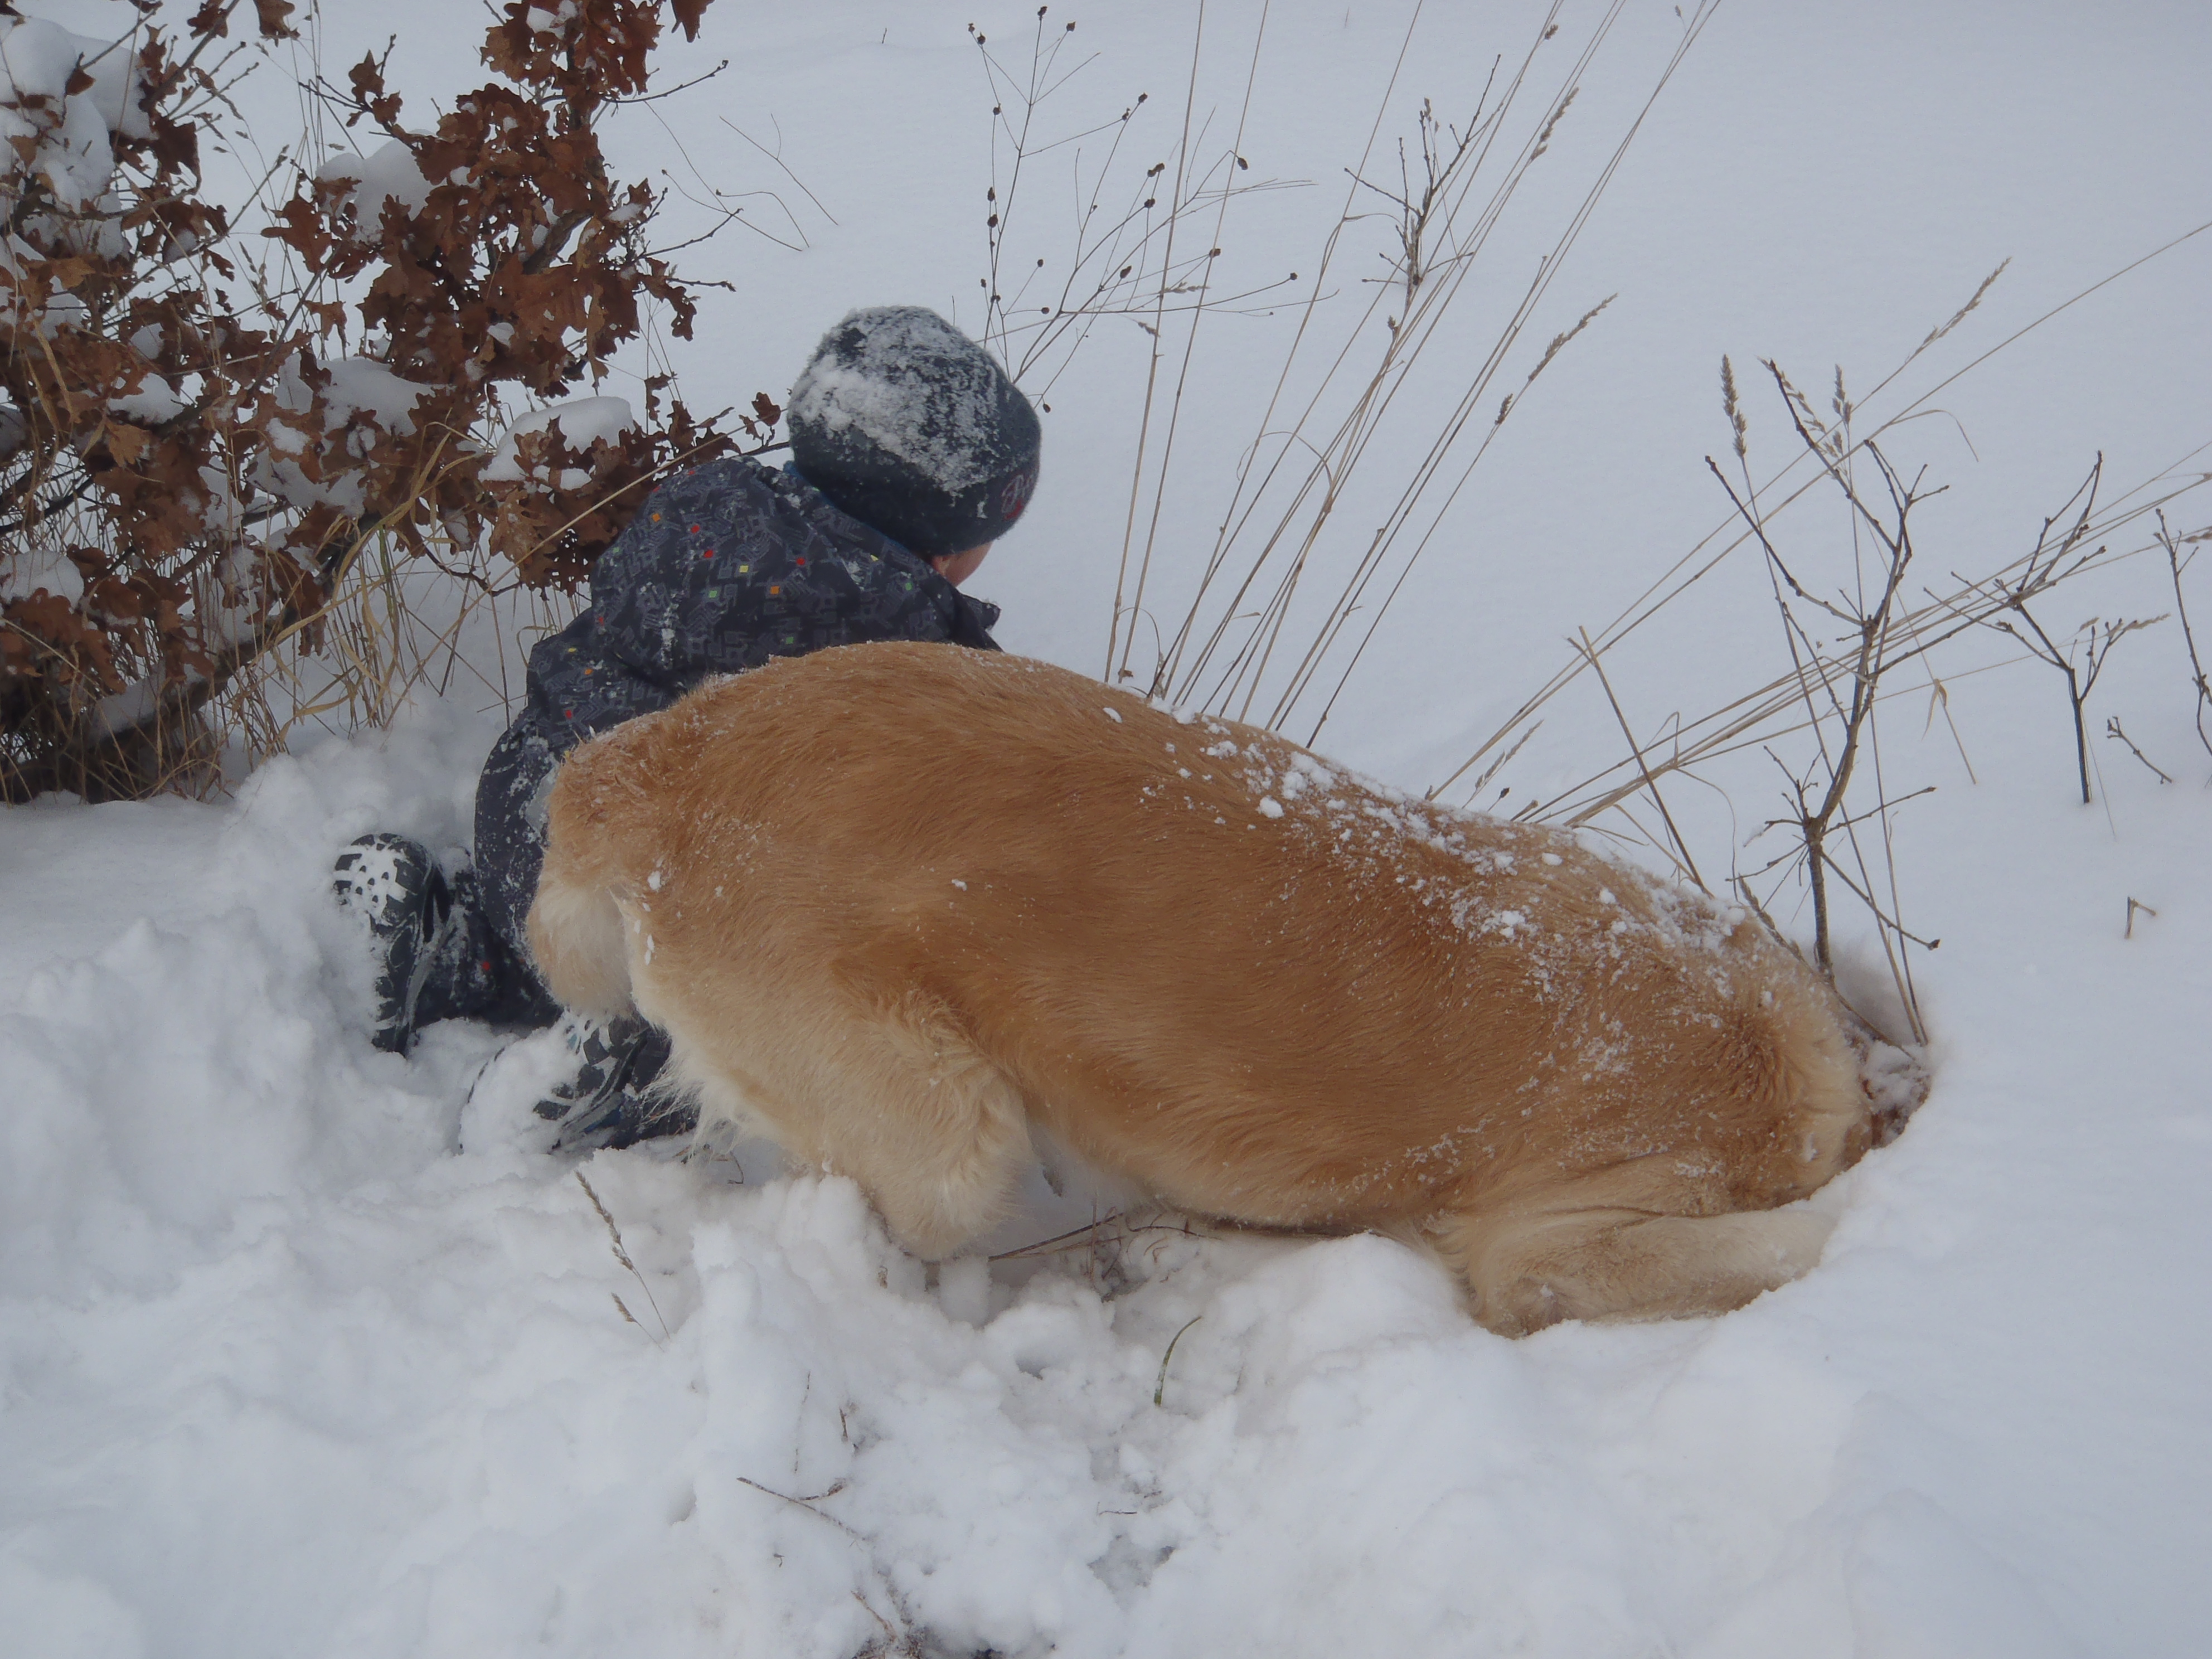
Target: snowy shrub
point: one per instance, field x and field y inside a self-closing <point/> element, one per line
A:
<point x="205" y="423"/>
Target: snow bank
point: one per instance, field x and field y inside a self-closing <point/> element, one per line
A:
<point x="308" y="1348"/>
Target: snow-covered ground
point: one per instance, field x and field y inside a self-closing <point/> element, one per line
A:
<point x="307" y="1349"/>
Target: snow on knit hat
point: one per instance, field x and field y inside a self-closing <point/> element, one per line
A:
<point x="908" y="425"/>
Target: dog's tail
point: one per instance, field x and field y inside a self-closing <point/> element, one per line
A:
<point x="579" y="936"/>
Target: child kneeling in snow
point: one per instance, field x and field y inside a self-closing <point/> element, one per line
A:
<point x="911" y="453"/>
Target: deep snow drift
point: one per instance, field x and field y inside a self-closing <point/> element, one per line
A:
<point x="307" y="1349"/>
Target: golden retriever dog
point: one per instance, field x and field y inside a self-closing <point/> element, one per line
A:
<point x="897" y="904"/>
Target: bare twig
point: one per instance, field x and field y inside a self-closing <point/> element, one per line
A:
<point x="2177" y="561"/>
<point x="1442" y="224"/>
<point x="1712" y="550"/>
<point x="2113" y="730"/>
<point x="2094" y="641"/>
<point x="1817" y="811"/>
<point x="1651" y="784"/>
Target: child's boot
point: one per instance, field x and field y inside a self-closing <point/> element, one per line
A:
<point x="617" y="1096"/>
<point x="394" y="888"/>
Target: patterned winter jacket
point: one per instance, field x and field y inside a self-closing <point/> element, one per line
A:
<point x="725" y="566"/>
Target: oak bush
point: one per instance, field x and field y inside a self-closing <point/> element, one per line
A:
<point x="212" y="412"/>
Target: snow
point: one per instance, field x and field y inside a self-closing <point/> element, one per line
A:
<point x="155" y="401"/>
<point x="308" y="1349"/>
<point x="940" y="419"/>
<point x="584" y="423"/>
<point x="39" y="59"/>
<point x="355" y="385"/>
<point x="117" y="81"/>
<point x="538" y="18"/>
<point x="387" y="176"/>
<point x="47" y="570"/>
<point x="44" y="130"/>
<point x="363" y="385"/>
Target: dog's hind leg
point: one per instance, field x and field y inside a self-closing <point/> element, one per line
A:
<point x="943" y="1154"/>
<point x="893" y="1095"/>
<point x="1526" y="1272"/>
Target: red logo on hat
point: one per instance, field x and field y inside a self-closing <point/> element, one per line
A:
<point x="1015" y="496"/>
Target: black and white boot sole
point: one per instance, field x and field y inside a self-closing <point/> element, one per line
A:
<point x="395" y="889"/>
<point x="617" y="1096"/>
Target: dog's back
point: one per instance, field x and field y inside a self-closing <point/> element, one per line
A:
<point x="892" y="901"/>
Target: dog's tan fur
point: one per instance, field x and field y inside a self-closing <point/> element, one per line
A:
<point x="894" y="902"/>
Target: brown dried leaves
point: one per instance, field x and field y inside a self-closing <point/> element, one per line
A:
<point x="192" y="429"/>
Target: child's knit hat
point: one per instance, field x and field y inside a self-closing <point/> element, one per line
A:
<point x="910" y="426"/>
